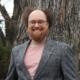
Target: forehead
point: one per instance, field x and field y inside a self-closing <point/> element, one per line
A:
<point x="37" y="15"/>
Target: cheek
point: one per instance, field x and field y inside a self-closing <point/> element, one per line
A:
<point x="29" y="27"/>
<point x="46" y="27"/>
<point x="29" y="30"/>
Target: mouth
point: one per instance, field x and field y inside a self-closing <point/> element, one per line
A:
<point x="37" y="30"/>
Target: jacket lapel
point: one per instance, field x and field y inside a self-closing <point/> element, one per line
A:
<point x="45" y="56"/>
<point x="22" y="51"/>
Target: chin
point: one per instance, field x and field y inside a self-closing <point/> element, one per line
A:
<point x="38" y="38"/>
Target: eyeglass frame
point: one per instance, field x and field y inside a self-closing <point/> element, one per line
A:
<point x="33" y="23"/>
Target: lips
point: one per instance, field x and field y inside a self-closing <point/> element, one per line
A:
<point x="37" y="29"/>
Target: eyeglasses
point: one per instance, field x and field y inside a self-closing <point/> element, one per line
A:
<point x="40" y="23"/>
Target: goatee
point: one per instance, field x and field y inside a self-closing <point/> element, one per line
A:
<point x="37" y="33"/>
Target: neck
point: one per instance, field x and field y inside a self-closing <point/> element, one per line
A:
<point x="37" y="43"/>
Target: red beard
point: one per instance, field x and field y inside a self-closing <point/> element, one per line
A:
<point x="37" y="33"/>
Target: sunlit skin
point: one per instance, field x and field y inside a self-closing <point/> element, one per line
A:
<point x="37" y="33"/>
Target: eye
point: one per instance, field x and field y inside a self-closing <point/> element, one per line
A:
<point x="40" y="22"/>
<point x="32" y="22"/>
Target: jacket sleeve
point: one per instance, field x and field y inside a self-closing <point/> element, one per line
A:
<point x="12" y="73"/>
<point x="68" y="64"/>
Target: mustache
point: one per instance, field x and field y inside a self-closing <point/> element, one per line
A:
<point x="37" y="28"/>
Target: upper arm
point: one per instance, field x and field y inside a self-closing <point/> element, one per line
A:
<point x="12" y="73"/>
<point x="68" y="64"/>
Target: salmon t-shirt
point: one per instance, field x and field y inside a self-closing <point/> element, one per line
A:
<point x="32" y="58"/>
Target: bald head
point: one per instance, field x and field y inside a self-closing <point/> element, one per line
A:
<point x="37" y="15"/>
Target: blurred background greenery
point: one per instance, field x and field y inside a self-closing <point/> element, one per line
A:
<point x="5" y="51"/>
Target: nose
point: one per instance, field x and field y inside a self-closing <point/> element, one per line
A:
<point x="36" y="24"/>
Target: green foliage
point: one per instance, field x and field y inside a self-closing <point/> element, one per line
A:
<point x="4" y="61"/>
<point x="5" y="51"/>
<point x="1" y="47"/>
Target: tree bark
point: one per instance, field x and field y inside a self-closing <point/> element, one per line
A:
<point x="66" y="25"/>
<point x="11" y="23"/>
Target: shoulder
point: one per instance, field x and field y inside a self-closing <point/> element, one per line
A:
<point x="60" y="46"/>
<point x="15" y="48"/>
<point x="58" y="43"/>
<point x="63" y="49"/>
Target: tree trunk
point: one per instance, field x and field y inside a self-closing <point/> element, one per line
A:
<point x="11" y="22"/>
<point x="66" y="25"/>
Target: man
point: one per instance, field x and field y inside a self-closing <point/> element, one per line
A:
<point x="41" y="58"/>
